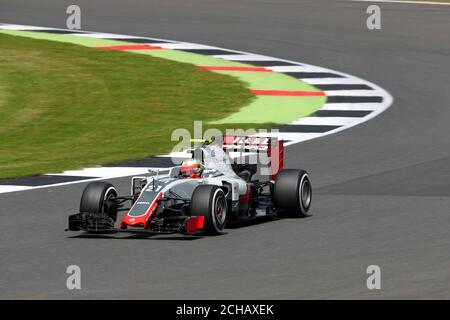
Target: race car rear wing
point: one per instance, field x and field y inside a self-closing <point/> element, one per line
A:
<point x="272" y="147"/>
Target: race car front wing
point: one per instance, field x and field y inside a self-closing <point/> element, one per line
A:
<point x="102" y="223"/>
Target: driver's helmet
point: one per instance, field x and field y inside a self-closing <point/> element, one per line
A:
<point x="191" y="168"/>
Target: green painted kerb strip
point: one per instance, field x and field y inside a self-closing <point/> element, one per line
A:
<point x="263" y="109"/>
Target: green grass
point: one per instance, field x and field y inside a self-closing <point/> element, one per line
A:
<point x="64" y="106"/>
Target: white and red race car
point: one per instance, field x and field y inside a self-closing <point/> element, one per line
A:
<point x="225" y="193"/>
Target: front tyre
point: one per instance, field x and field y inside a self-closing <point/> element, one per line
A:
<point x="98" y="197"/>
<point x="209" y="201"/>
<point x="293" y="192"/>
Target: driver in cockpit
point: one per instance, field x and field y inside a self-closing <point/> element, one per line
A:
<point x="191" y="169"/>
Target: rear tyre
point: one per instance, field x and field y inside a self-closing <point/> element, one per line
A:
<point x="293" y="192"/>
<point x="209" y="201"/>
<point x="96" y="198"/>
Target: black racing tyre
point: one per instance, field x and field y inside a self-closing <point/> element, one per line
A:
<point x="293" y="192"/>
<point x="95" y="199"/>
<point x="209" y="201"/>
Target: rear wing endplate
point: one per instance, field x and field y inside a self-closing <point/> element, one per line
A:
<point x="271" y="146"/>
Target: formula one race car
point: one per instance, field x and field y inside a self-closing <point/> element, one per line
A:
<point x="206" y="192"/>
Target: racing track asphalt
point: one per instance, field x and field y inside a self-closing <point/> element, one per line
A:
<point x="382" y="189"/>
